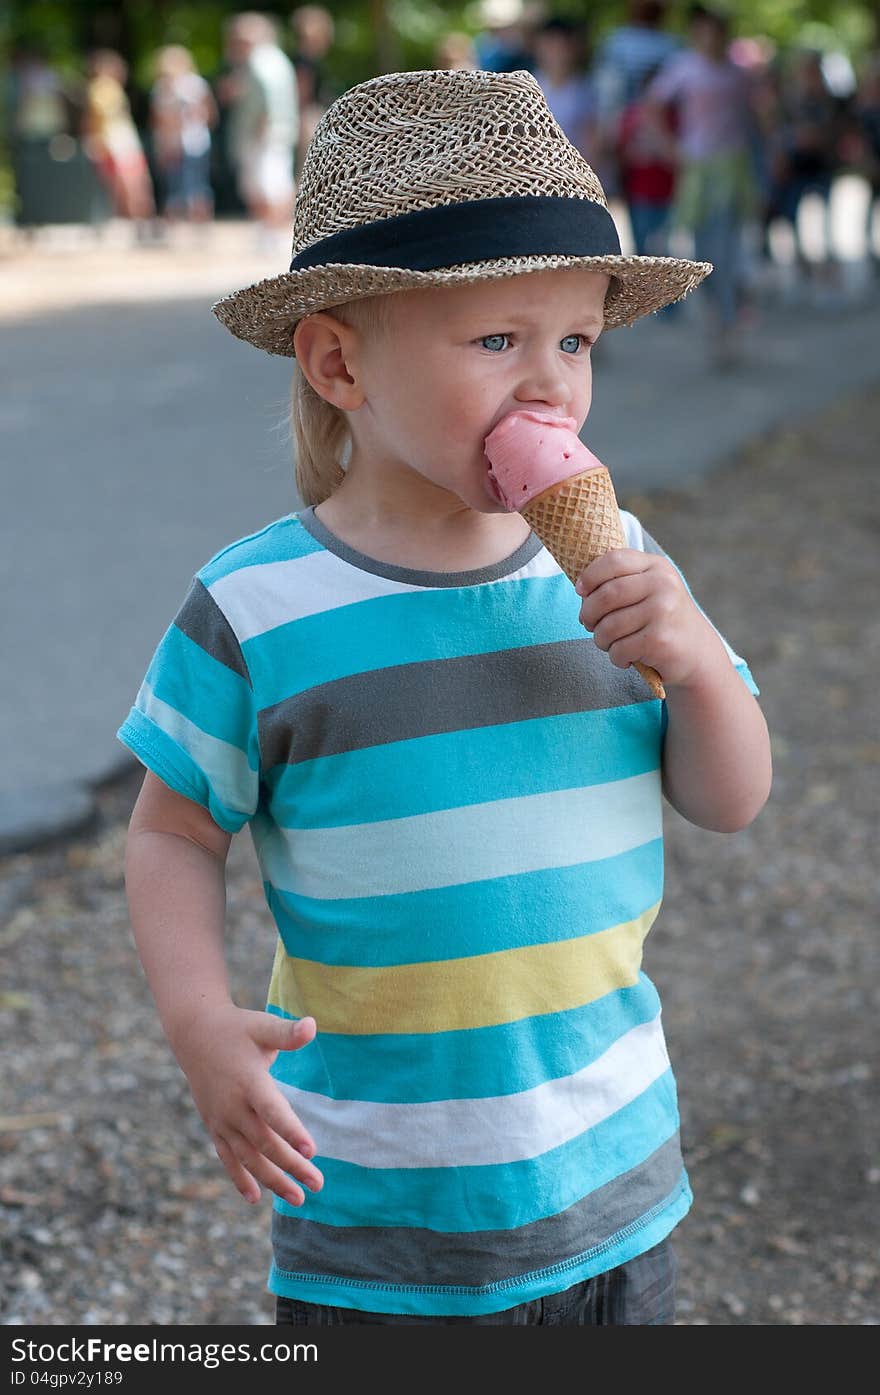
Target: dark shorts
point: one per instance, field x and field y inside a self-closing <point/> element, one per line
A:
<point x="638" y="1294"/>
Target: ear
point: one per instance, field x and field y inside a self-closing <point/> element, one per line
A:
<point x="325" y="351"/>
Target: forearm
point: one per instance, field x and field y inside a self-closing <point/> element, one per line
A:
<point x="177" y="904"/>
<point x="716" y="757"/>
<point x="177" y="898"/>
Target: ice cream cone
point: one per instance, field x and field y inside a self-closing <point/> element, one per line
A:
<point x="578" y="520"/>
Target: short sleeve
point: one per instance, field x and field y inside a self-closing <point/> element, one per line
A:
<point x="194" y="721"/>
<point x="638" y="537"/>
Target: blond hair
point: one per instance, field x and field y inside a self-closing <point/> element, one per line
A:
<point x="320" y="431"/>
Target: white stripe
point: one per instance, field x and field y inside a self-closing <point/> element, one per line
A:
<point x="542" y="564"/>
<point x="257" y="599"/>
<point x="481" y="1132"/>
<point x="449" y="847"/>
<point x="224" y="765"/>
<point x="633" y="531"/>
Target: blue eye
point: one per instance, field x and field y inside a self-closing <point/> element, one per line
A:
<point x="570" y="344"/>
<point x="494" y="342"/>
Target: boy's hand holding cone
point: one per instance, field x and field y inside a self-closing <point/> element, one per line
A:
<point x="540" y="468"/>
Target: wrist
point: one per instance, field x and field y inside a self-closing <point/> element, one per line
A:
<point x="710" y="669"/>
<point x="185" y="1022"/>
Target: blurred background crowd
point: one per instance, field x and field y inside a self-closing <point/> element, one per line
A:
<point x="711" y="127"/>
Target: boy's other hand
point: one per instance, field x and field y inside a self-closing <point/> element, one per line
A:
<point x="226" y="1055"/>
<point x="639" y="611"/>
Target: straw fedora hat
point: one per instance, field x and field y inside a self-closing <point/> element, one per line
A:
<point x="443" y="178"/>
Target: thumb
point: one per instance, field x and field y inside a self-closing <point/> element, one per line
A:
<point x="282" y="1034"/>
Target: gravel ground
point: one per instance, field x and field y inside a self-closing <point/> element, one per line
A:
<point x="112" y="1205"/>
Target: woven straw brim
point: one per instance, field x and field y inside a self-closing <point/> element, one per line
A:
<point x="267" y="313"/>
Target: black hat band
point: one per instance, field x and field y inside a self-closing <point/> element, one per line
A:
<point x="481" y="230"/>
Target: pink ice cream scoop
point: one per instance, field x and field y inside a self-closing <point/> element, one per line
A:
<point x="539" y="468"/>
<point x="529" y="452"/>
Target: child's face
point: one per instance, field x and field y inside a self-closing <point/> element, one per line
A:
<point x="454" y="360"/>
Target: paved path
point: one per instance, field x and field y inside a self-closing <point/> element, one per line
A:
<point x="139" y="438"/>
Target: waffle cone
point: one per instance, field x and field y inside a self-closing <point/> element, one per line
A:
<point x="578" y="520"/>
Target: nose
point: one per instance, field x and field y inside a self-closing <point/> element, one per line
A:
<point x="542" y="380"/>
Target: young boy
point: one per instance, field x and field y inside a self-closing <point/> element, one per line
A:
<point x="460" y="1093"/>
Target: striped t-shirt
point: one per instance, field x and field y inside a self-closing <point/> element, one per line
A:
<point x="455" y="801"/>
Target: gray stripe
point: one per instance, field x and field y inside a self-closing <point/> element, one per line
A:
<point x="424" y="699"/>
<point x="201" y="620"/>
<point x="506" y="567"/>
<point x="407" y="1255"/>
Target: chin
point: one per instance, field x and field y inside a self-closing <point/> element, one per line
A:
<point x="480" y="503"/>
<point x="487" y="506"/>
<point x="479" y="497"/>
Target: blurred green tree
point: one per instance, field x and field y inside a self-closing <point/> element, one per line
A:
<point x="371" y="35"/>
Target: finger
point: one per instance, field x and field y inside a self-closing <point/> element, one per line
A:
<point x="281" y="1033"/>
<point x="620" y="561"/>
<point x="239" y="1175"/>
<point x="619" y="625"/>
<point x="613" y="595"/>
<point x="277" y="1150"/>
<point x="274" y="1111"/>
<point x="629" y="650"/>
<point x="265" y="1171"/>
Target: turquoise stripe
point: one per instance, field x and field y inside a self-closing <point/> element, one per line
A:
<point x="279" y="541"/>
<point x="450" y="769"/>
<point x="209" y="694"/>
<point x="497" y="1197"/>
<point x="746" y="676"/>
<point x="476" y="1064"/>
<point x="410" y="628"/>
<point x="174" y="766"/>
<point x="631" y="1240"/>
<point x="224" y="766"/>
<point x="452" y="922"/>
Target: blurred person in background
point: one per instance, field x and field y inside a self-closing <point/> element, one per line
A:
<point x="647" y="156"/>
<point x="624" y="58"/>
<point x="182" y="114"/>
<point x="455" y="51"/>
<point x="113" y="142"/>
<point x="503" y="43"/>
<point x="42" y="114"/>
<point x="38" y="102"/>
<point x="313" y="31"/>
<point x="761" y="62"/>
<point x="811" y="128"/>
<point x="716" y="189"/>
<point x="559" y="47"/>
<point x="262" y="129"/>
<point x="866" y="113"/>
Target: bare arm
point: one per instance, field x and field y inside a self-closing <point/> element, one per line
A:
<point x="175" y="879"/>
<point x="716" y="755"/>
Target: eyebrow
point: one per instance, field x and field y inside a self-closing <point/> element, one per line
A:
<point x="516" y="320"/>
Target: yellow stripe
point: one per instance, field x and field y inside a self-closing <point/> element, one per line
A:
<point x="452" y="995"/>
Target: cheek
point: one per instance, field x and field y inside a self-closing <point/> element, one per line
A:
<point x="587" y="389"/>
